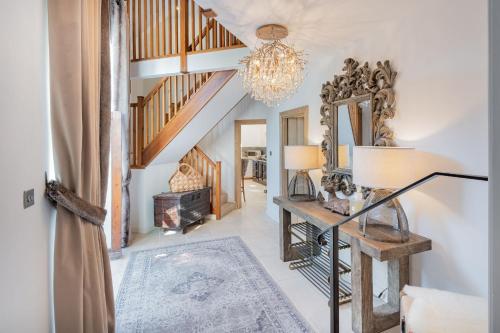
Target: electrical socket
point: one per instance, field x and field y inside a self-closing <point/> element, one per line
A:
<point x="28" y="198"/>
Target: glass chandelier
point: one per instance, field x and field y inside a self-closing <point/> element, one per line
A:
<point x="273" y="71"/>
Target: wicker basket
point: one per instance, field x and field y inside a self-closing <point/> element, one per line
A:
<point x="185" y="179"/>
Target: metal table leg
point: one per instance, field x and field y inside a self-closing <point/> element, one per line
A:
<point x="334" y="280"/>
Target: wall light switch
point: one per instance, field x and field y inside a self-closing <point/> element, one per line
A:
<point x="29" y="198"/>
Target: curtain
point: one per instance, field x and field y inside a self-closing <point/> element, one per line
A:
<point x="80" y="113"/>
<point x="120" y="101"/>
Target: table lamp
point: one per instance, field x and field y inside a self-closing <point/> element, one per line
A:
<point x="384" y="169"/>
<point x="301" y="159"/>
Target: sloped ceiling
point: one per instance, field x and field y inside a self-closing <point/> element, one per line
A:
<point x="312" y="24"/>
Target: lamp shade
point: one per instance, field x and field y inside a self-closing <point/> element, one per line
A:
<point x="302" y="157"/>
<point x="383" y="167"/>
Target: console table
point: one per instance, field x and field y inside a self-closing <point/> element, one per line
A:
<point x="365" y="317"/>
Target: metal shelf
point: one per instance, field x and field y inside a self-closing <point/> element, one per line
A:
<point x="314" y="262"/>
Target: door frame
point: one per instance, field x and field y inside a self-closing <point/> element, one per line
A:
<point x="300" y="112"/>
<point x="115" y="249"/>
<point x="237" y="154"/>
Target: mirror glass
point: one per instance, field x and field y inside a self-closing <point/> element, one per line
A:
<point x="354" y="128"/>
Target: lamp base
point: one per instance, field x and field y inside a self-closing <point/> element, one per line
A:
<point x="389" y="229"/>
<point x="301" y="187"/>
<point x="301" y="197"/>
<point x="382" y="233"/>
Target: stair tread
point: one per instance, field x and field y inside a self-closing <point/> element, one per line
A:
<point x="227" y="207"/>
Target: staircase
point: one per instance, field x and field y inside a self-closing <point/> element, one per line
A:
<point x="157" y="119"/>
<point x="212" y="174"/>
<point x="171" y="35"/>
<point x="168" y="39"/>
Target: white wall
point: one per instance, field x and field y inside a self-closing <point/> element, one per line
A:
<point x="141" y="87"/>
<point x="218" y="144"/>
<point x="440" y="53"/>
<point x="253" y="135"/>
<point x="144" y="184"/>
<point x="24" y="236"/>
<point x="494" y="120"/>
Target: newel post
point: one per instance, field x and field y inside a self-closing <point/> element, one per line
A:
<point x="218" y="185"/>
<point x="140" y="129"/>
<point x="183" y="33"/>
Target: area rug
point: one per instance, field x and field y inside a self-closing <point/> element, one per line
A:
<point x="210" y="286"/>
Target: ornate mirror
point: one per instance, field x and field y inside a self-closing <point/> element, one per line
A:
<point x="355" y="106"/>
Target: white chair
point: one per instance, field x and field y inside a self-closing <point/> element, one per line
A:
<point x="426" y="310"/>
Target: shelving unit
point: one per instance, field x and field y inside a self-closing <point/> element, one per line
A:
<point x="313" y="260"/>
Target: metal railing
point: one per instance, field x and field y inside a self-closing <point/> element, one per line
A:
<point x="402" y="191"/>
<point x="333" y="232"/>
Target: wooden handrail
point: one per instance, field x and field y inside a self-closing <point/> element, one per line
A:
<point x="165" y="28"/>
<point x="168" y="104"/>
<point x="211" y="172"/>
<point x="200" y="37"/>
<point x="183" y="112"/>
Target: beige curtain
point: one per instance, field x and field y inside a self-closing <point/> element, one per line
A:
<point x="83" y="292"/>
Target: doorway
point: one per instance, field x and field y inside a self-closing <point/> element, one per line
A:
<point x="250" y="156"/>
<point x="293" y="131"/>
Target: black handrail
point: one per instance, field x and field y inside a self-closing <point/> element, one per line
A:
<point x="404" y="190"/>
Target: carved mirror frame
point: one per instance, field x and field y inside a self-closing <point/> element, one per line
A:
<point x="355" y="84"/>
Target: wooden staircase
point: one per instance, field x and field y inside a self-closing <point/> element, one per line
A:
<point x="155" y="120"/>
<point x="212" y="174"/>
<point x="175" y="28"/>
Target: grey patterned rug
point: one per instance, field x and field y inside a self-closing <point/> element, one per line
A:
<point x="212" y="286"/>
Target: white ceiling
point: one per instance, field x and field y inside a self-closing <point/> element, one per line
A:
<point x="312" y="24"/>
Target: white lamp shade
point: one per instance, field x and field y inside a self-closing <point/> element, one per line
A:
<point x="344" y="157"/>
<point x="302" y="157"/>
<point x="383" y="167"/>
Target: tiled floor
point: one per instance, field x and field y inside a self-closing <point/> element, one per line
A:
<point x="260" y="233"/>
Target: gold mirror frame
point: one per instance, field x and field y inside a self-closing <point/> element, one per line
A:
<point x="355" y="84"/>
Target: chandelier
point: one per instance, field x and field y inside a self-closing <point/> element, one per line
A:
<point x="273" y="71"/>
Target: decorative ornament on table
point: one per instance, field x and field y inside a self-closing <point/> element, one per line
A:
<point x="273" y="71"/>
<point x="334" y="203"/>
<point x="320" y="197"/>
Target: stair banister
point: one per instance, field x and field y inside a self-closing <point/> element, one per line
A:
<point x="212" y="175"/>
<point x="334" y="236"/>
<point x="140" y="130"/>
<point x="166" y="28"/>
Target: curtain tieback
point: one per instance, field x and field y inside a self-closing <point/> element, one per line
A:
<point x="60" y="195"/>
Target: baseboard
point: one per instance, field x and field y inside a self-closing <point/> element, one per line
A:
<point x="114" y="254"/>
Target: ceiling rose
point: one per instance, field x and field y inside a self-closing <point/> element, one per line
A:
<point x="273" y="71"/>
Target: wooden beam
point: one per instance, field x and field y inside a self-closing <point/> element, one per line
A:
<point x="184" y="30"/>
<point x="140" y="130"/>
<point x="191" y="109"/>
<point x="218" y="189"/>
<point x="116" y="183"/>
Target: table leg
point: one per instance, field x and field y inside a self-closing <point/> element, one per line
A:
<point x="398" y="276"/>
<point x="362" y="289"/>
<point x="285" y="235"/>
<point x="333" y="244"/>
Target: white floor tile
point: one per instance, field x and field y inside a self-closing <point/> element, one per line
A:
<point x="260" y="234"/>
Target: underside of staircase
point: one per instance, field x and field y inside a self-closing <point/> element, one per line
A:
<point x="157" y="119"/>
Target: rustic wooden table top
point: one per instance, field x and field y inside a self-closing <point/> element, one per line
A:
<point x="314" y="213"/>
